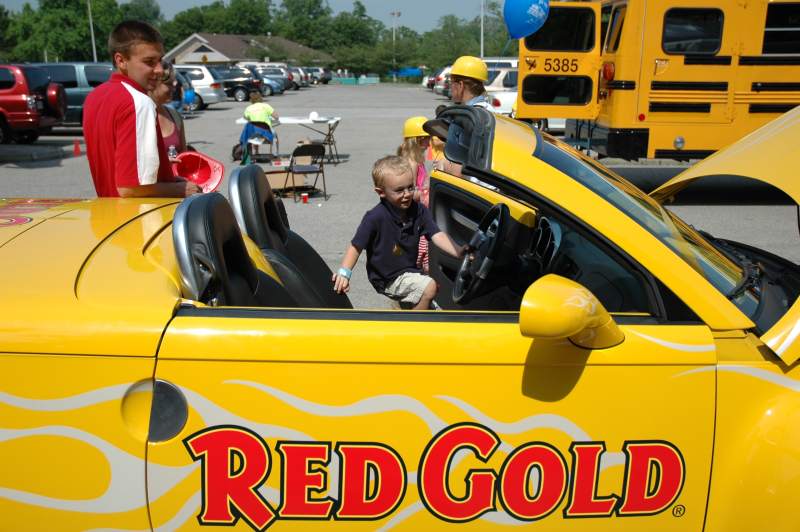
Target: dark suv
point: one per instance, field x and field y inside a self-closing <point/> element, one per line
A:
<point x="238" y="82"/>
<point x="30" y="103"/>
<point x="78" y="80"/>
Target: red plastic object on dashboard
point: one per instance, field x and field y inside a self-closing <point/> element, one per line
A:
<point x="200" y="169"/>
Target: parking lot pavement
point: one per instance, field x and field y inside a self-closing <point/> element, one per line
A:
<point x="371" y="127"/>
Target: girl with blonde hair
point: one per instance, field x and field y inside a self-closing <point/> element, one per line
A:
<point x="415" y="143"/>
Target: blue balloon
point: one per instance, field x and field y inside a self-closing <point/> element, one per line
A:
<point x="524" y="17"/>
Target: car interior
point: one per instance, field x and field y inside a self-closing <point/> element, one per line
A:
<point x="508" y="253"/>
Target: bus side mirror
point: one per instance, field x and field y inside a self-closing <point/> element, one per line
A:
<point x="554" y="307"/>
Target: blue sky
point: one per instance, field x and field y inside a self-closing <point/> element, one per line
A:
<point x="421" y="15"/>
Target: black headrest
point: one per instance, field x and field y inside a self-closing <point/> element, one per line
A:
<point x="214" y="264"/>
<point x="258" y="210"/>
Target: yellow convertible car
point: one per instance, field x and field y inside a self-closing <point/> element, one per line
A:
<point x="599" y="364"/>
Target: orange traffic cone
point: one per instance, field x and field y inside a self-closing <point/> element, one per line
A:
<point x="76" y="148"/>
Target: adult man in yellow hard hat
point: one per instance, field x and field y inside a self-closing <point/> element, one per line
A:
<point x="466" y="82"/>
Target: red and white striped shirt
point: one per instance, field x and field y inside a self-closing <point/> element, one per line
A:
<point x="123" y="139"/>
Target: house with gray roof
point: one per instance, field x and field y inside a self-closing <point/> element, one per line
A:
<point x="224" y="48"/>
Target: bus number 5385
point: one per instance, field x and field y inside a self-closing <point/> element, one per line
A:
<point x="560" y="65"/>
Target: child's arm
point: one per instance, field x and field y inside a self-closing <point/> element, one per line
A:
<point x="341" y="279"/>
<point x="445" y="243"/>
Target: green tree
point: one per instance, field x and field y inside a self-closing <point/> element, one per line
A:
<point x="248" y="17"/>
<point x="240" y="17"/>
<point x="59" y="30"/>
<point x="354" y="28"/>
<point x="452" y="38"/>
<point x="305" y="21"/>
<point x="496" y="41"/>
<point x="6" y="42"/>
<point x="211" y="18"/>
<point x="146" y="10"/>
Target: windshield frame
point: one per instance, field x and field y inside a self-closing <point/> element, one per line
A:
<point x="681" y="238"/>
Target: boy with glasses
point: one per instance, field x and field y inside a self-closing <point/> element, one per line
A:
<point x="390" y="233"/>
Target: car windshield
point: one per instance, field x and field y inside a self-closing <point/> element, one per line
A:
<point x="685" y="241"/>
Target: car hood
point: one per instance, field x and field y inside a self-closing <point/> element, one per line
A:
<point x="762" y="155"/>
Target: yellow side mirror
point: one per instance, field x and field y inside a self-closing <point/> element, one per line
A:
<point x="554" y="307"/>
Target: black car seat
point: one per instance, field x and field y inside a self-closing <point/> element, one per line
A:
<point x="261" y="216"/>
<point x="214" y="264"/>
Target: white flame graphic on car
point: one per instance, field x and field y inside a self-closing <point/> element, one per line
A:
<point x="127" y="488"/>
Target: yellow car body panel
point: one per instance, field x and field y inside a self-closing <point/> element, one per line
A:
<point x="361" y="419"/>
<point x="289" y="383"/>
<point x="73" y="441"/>
<point x="69" y="299"/>
<point x="761" y="155"/>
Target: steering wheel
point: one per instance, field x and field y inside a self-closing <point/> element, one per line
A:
<point x="482" y="253"/>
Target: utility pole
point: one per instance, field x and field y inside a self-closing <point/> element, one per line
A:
<point x="91" y="30"/>
<point x="482" y="10"/>
<point x="395" y="15"/>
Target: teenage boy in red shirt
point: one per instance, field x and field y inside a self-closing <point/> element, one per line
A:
<point x="124" y="145"/>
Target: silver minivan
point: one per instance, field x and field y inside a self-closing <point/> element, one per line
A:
<point x="207" y="85"/>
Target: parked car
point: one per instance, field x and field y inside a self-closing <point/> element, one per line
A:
<point x="279" y="74"/>
<point x="237" y="82"/>
<point x="501" y="62"/>
<point x="172" y="365"/>
<point x="502" y="102"/>
<point x="446" y="86"/>
<point x="30" y="103"/>
<point x="438" y="86"/>
<point x="501" y="79"/>
<point x="433" y="77"/>
<point x="78" y="80"/>
<point x="300" y="77"/>
<point x="269" y="84"/>
<point x="319" y="74"/>
<point x="207" y="85"/>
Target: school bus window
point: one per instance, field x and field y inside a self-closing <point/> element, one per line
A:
<point x="566" y="30"/>
<point x="557" y="90"/>
<point x="615" y="29"/>
<point x="692" y="31"/>
<point x="605" y="17"/>
<point x="782" y="31"/>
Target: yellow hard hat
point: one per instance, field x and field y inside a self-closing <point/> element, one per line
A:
<point x="413" y="127"/>
<point x="470" y="67"/>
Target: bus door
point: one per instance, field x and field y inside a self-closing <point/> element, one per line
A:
<point x="686" y="72"/>
<point x="559" y="65"/>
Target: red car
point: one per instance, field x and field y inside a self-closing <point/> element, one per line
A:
<point x="30" y="103"/>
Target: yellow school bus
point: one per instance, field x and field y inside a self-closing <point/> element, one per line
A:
<point x="674" y="79"/>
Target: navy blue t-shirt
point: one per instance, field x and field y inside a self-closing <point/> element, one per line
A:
<point x="391" y="240"/>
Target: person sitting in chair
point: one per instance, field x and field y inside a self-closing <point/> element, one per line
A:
<point x="259" y="116"/>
